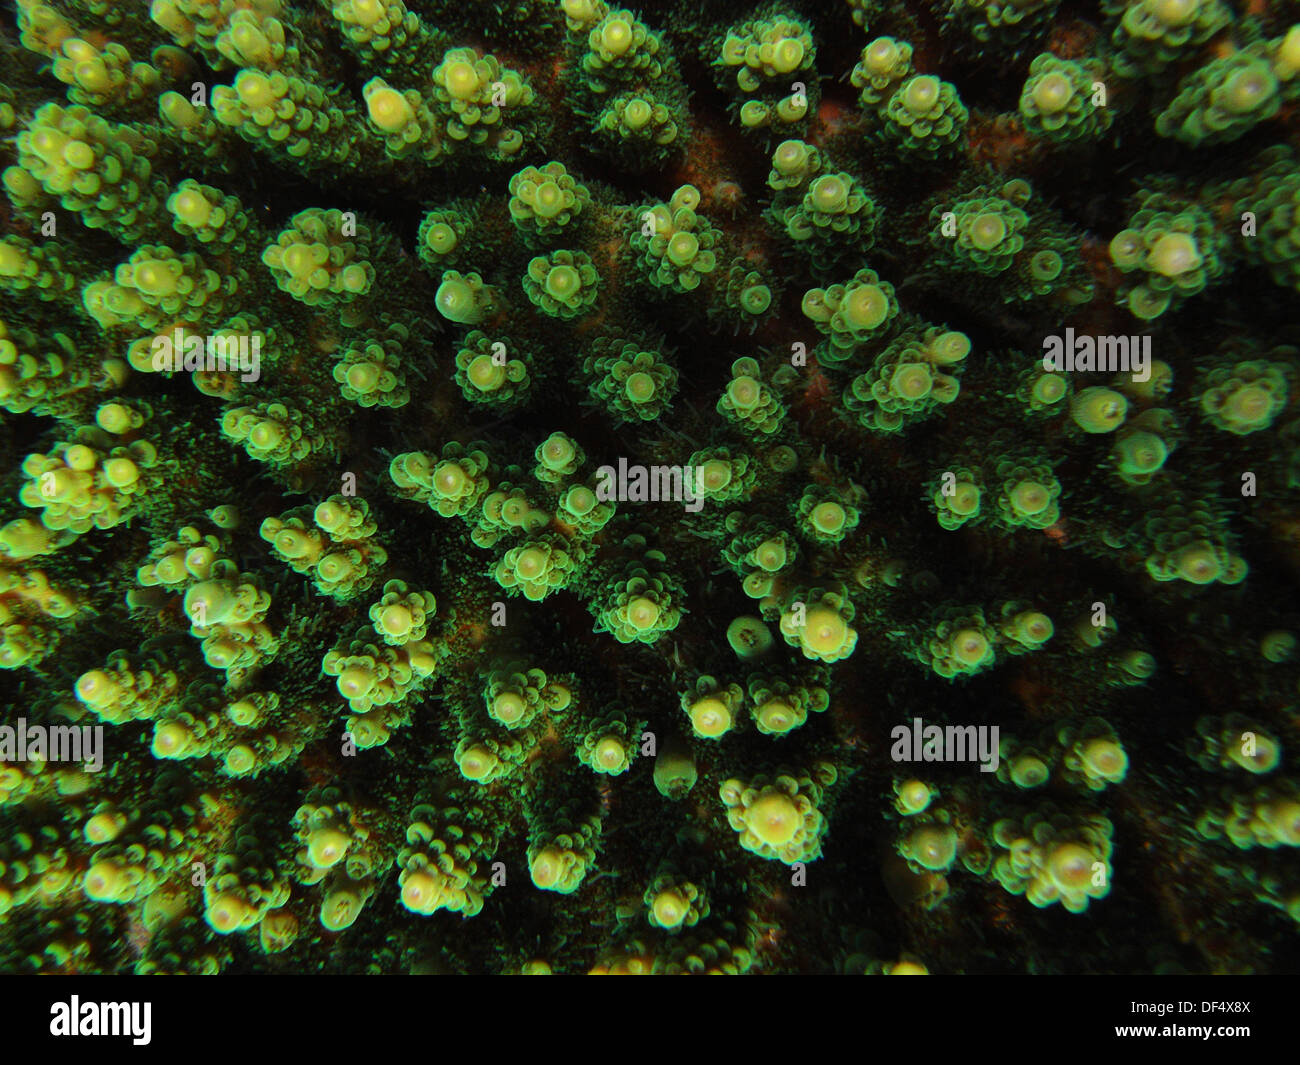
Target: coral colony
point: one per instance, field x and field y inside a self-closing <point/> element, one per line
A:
<point x="540" y="486"/>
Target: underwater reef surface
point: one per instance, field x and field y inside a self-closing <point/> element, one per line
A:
<point x="542" y="486"/>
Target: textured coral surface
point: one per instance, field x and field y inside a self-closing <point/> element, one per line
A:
<point x="499" y="485"/>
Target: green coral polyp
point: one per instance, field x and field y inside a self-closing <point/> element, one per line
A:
<point x="640" y="607"/>
<point x="464" y="298"/>
<point x="958" y="498"/>
<point x="849" y="314"/>
<point x="1028" y="496"/>
<point x="546" y="200"/>
<point x="986" y="233"/>
<point x="675" y="243"/>
<point x="884" y="65"/>
<point x="1152" y="34"/>
<point x="1176" y="247"/>
<point x="475" y="95"/>
<point x="1002" y="27"/>
<point x="563" y="284"/>
<point x="490" y="372"/>
<point x="960" y="646"/>
<point x="632" y="383"/>
<point x="322" y="256"/>
<point x="620" y="50"/>
<point x="644" y="128"/>
<point x="907" y="381"/>
<point x="925" y="118"/>
<point x="1247" y="397"/>
<point x="821" y="629"/>
<point x="537" y="568"/>
<point x="1223" y="100"/>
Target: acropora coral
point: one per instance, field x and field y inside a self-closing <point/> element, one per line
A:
<point x="498" y="478"/>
